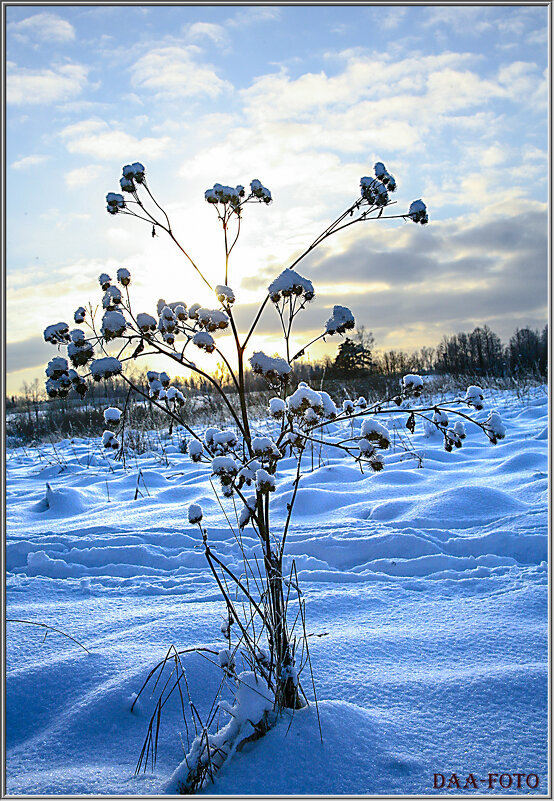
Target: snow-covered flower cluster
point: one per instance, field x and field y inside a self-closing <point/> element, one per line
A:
<point x="114" y="202"/>
<point x="340" y="321"/>
<point x="412" y="385"/>
<point x="112" y="298"/>
<point x="277" y="408"/>
<point x="225" y="294"/>
<point x="167" y="323"/>
<point x="112" y="415"/>
<point x="157" y="383"/>
<point x="80" y="315"/>
<point x="195" y="450"/>
<point x="265" y="448"/>
<point x="193" y="311"/>
<point x="290" y="283"/>
<point x="131" y="173"/>
<point x="175" y="396"/>
<point x="178" y="307"/>
<point x="373" y="436"/>
<point x="57" y="372"/>
<point x="348" y="406"/>
<point x="459" y="429"/>
<point x="57" y="334"/>
<point x="204" y="341"/>
<point x="374" y="191"/>
<point x="159" y="389"/>
<point x="382" y="174"/>
<point x="418" y="212"/>
<point x="265" y="482"/>
<point x="212" y="319"/>
<point x="134" y="172"/>
<point x="374" y="431"/>
<point x="109" y="440"/>
<point x="260" y="191"/>
<point x="195" y="514"/>
<point x="494" y="427"/>
<point x="440" y="418"/>
<point x="124" y="276"/>
<point x="308" y="406"/>
<point x="113" y="325"/>
<point x="225" y="468"/>
<point x="475" y="397"/>
<point x="105" y="281"/>
<point x="225" y="194"/>
<point x="218" y="441"/>
<point x="247" y="474"/>
<point x="60" y="378"/>
<point x="273" y="368"/>
<point x="106" y="367"/>
<point x="146" y="323"/>
<point x="79" y="350"/>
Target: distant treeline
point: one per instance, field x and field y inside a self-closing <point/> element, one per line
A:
<point x="477" y="353"/>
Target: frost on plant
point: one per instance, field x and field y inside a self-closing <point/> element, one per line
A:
<point x="264" y="658"/>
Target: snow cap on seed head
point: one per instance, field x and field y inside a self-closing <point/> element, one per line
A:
<point x="412" y="384"/>
<point x="57" y="334"/>
<point x="418" y="212"/>
<point x="475" y="397"/>
<point x="124" y="276"/>
<point x="494" y="427"/>
<point x="277" y="408"/>
<point x="260" y="191"/>
<point x="112" y="415"/>
<point x="225" y="294"/>
<point x="106" y="367"/>
<point x="104" y="280"/>
<point x="375" y="432"/>
<point x="134" y="172"/>
<point x="225" y="194"/>
<point x="273" y="368"/>
<point x="195" y="449"/>
<point x="114" y="202"/>
<point x="195" y="514"/>
<point x="265" y="482"/>
<point x="340" y="321"/>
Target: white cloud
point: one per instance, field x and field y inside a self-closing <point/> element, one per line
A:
<point x="392" y="18"/>
<point x="373" y="103"/>
<point x="82" y="176"/>
<point x="206" y="30"/>
<point x="466" y="19"/>
<point x="173" y="72"/>
<point x="369" y="79"/>
<point x="254" y="14"/>
<point x="522" y="82"/>
<point x="44" y="27"/>
<point x="100" y="140"/>
<point x="28" y="86"/>
<point x="27" y="162"/>
<point x="518" y="18"/>
<point x="538" y="37"/>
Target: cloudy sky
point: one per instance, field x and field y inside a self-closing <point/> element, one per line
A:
<point x="454" y="100"/>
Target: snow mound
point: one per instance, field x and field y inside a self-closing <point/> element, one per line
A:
<point x="348" y="761"/>
<point x="458" y="507"/>
<point x="63" y="502"/>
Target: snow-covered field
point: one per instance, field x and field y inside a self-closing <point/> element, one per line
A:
<point x="429" y="586"/>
